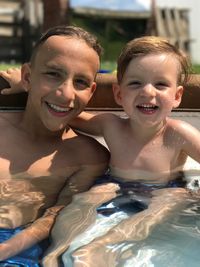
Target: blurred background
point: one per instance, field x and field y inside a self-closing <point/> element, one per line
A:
<point x="114" y="22"/>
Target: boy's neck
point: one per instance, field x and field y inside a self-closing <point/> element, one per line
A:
<point x="37" y="131"/>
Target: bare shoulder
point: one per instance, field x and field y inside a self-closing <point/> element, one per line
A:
<point x="9" y="118"/>
<point x="4" y="118"/>
<point x="111" y="120"/>
<point x="109" y="117"/>
<point x="181" y="127"/>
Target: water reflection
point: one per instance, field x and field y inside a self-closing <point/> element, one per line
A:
<point x="20" y="202"/>
<point x="124" y="224"/>
<point x="175" y="242"/>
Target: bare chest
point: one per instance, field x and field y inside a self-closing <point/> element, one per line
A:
<point x="18" y="155"/>
<point x="154" y="156"/>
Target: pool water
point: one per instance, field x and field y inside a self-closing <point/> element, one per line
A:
<point x="173" y="243"/>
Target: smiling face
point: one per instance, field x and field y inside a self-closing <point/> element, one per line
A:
<point x="149" y="88"/>
<point x="60" y="80"/>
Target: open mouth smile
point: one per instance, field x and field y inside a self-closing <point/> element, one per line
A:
<point x="147" y="108"/>
<point x="58" y="109"/>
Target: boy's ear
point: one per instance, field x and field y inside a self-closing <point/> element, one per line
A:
<point x="178" y="96"/>
<point x="117" y="93"/>
<point x="25" y="75"/>
<point x="93" y="88"/>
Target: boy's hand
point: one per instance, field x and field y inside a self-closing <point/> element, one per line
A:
<point x="13" y="77"/>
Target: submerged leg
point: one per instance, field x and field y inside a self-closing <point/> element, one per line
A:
<point x="76" y="218"/>
<point x="135" y="228"/>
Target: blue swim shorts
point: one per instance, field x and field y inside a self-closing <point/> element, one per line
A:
<point x="133" y="196"/>
<point x="28" y="258"/>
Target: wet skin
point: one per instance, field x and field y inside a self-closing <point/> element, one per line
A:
<point x="42" y="160"/>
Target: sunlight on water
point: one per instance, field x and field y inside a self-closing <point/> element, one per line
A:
<point x="173" y="242"/>
<point x="101" y="226"/>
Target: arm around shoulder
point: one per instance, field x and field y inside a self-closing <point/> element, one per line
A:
<point x="92" y="123"/>
<point x="13" y="78"/>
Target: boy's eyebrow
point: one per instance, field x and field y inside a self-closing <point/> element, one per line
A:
<point x="57" y="68"/>
<point x="86" y="77"/>
<point x="53" y="66"/>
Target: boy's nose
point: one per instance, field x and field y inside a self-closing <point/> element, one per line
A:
<point x="149" y="90"/>
<point x="67" y="91"/>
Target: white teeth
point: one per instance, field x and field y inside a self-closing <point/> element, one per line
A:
<point x="58" y="108"/>
<point x="147" y="106"/>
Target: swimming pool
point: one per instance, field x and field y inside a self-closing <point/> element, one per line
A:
<point x="174" y="243"/>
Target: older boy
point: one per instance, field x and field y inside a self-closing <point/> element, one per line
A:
<point x="43" y="162"/>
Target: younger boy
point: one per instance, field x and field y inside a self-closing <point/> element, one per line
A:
<point x="151" y="74"/>
<point x="43" y="161"/>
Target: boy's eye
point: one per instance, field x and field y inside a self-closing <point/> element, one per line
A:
<point x="81" y="84"/>
<point x="134" y="84"/>
<point x="53" y="74"/>
<point x="161" y="85"/>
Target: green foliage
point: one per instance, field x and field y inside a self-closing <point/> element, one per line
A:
<point x="109" y="65"/>
<point x="7" y="66"/>
<point x="113" y="34"/>
<point x="196" y="69"/>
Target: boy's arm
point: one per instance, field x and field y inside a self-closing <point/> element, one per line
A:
<point x="76" y="218"/>
<point x="93" y="124"/>
<point x="189" y="139"/>
<point x="40" y="229"/>
<point x="36" y="232"/>
<point x="63" y="233"/>
<point x="13" y="77"/>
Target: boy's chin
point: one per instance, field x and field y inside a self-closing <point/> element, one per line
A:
<point x="56" y="128"/>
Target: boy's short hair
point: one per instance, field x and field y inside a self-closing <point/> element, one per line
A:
<point x="68" y="31"/>
<point x="151" y="45"/>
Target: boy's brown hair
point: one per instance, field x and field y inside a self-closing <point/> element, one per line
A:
<point x="151" y="45"/>
<point x="68" y="31"/>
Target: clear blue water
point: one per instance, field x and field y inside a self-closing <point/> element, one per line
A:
<point x="173" y="243"/>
